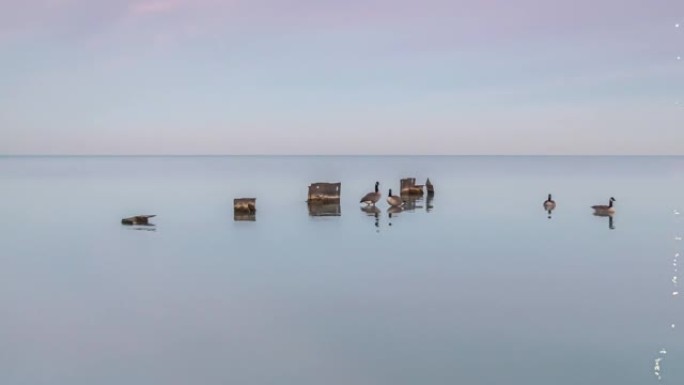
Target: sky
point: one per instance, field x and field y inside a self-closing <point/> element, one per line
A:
<point x="131" y="77"/>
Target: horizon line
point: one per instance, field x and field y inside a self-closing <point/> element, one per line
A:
<point x="321" y="155"/>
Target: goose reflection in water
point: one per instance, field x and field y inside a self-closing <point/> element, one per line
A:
<point x="428" y="203"/>
<point x="393" y="210"/>
<point x="610" y="218"/>
<point x="372" y="211"/>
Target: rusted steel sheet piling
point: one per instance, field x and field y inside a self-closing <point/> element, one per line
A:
<point x="429" y="187"/>
<point x="244" y="209"/>
<point x="409" y="187"/>
<point x="324" y="193"/>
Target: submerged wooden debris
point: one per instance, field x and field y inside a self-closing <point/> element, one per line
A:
<point x="324" y="193"/>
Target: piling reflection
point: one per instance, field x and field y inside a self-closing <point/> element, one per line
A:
<point x="428" y="203"/>
<point x="238" y="217"/>
<point x="324" y="209"/>
<point x="411" y="202"/>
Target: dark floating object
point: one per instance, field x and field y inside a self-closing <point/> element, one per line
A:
<point x="318" y="209"/>
<point x="244" y="209"/>
<point x="324" y="193"/>
<point x="429" y="187"/>
<point x="244" y="205"/>
<point x="138" y="220"/>
<point x="549" y="205"/>
<point x="409" y="187"/>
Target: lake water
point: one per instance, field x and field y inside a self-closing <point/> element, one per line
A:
<point x="476" y="286"/>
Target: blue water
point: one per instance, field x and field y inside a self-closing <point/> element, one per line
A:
<point x="476" y="286"/>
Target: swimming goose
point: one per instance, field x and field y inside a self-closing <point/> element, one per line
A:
<point x="138" y="220"/>
<point x="549" y="204"/>
<point x="372" y="197"/>
<point x="603" y="209"/>
<point x="394" y="200"/>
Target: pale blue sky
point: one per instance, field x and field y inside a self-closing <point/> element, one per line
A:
<point x="352" y="77"/>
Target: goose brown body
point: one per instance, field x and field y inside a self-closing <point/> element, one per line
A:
<point x="394" y="200"/>
<point x="549" y="204"/>
<point x="605" y="209"/>
<point x="372" y="197"/>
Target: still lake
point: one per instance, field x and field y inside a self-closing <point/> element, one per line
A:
<point x="476" y="286"/>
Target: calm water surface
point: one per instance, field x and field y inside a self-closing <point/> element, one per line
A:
<point x="476" y="286"/>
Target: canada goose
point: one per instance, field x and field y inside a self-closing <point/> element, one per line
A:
<point x="138" y="220"/>
<point x="603" y="209"/>
<point x="549" y="205"/>
<point x="394" y="200"/>
<point x="372" y="197"/>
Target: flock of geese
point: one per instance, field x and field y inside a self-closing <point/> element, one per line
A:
<point x="373" y="197"/>
<point x="394" y="201"/>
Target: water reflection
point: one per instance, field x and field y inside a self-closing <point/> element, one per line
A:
<point x="372" y="211"/>
<point x="412" y="202"/>
<point x="244" y="217"/>
<point x="393" y="210"/>
<point x="428" y="203"/>
<point x="148" y="227"/>
<point x="610" y="219"/>
<point x="324" y="209"/>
